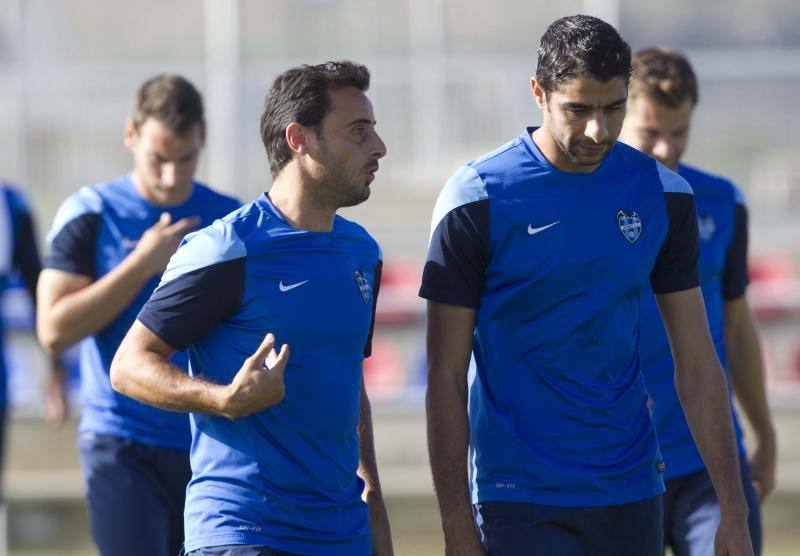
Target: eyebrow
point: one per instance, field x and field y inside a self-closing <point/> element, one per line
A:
<point x="578" y="105"/>
<point x="362" y="121"/>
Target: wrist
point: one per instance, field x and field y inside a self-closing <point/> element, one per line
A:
<point x="136" y="264"/>
<point x="221" y="397"/>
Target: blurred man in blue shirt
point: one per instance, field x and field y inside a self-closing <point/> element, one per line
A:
<point x="662" y="98"/>
<point x="19" y="255"/>
<point x="109" y="245"/>
<point x="281" y="446"/>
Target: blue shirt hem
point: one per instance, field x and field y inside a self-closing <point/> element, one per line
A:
<point x="570" y="499"/>
<point x="355" y="547"/>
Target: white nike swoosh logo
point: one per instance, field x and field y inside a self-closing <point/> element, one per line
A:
<point x="290" y="286"/>
<point x="532" y="231"/>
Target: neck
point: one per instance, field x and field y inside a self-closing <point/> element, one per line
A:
<point x="292" y="194"/>
<point x="168" y="200"/>
<point x="552" y="152"/>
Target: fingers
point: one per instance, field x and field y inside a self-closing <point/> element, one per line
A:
<point x="283" y="358"/>
<point x="164" y="220"/>
<point x="263" y="351"/>
<point x="183" y="226"/>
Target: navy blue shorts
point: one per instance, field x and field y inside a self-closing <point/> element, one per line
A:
<point x="135" y="494"/>
<point x="513" y="529"/>
<point x="691" y="513"/>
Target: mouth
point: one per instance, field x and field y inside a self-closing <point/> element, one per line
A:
<point x="592" y="149"/>
<point x="371" y="170"/>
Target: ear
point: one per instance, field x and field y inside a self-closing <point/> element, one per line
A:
<point x="297" y="138"/>
<point x="538" y="94"/>
<point x="131" y="133"/>
<point x="203" y="132"/>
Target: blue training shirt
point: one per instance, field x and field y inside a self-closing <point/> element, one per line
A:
<point x="18" y="254"/>
<point x="284" y="477"/>
<point x="722" y="223"/>
<point x="94" y="230"/>
<point x="554" y="264"/>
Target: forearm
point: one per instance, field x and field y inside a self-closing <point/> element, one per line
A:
<point x="367" y="465"/>
<point x="150" y="378"/>
<point x="368" y="471"/>
<point x="704" y="396"/>
<point x="79" y="314"/>
<point x="746" y="370"/>
<point x="448" y="443"/>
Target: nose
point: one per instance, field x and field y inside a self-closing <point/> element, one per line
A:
<point x="596" y="128"/>
<point x="169" y="174"/>
<point x="663" y="150"/>
<point x="379" y="149"/>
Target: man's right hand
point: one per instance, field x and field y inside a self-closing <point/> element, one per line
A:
<point x="259" y="383"/>
<point x="160" y="241"/>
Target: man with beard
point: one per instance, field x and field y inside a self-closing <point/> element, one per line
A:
<point x="538" y="253"/>
<point x="663" y="95"/>
<point x="109" y="245"/>
<point x="282" y="447"/>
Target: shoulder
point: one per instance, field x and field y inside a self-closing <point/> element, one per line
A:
<point x="87" y="202"/>
<point x="226" y="202"/>
<point x="358" y="233"/>
<point x="464" y="187"/>
<point x="214" y="244"/>
<point x="637" y="162"/>
<point x="705" y="182"/>
<point x="16" y="200"/>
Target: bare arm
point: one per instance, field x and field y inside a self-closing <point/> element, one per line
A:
<point x="746" y="370"/>
<point x="368" y="471"/>
<point x="703" y="393"/>
<point x="450" y="331"/>
<point x="71" y="306"/>
<point x="141" y="370"/>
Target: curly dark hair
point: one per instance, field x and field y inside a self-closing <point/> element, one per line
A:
<point x="581" y="46"/>
<point x="301" y="95"/>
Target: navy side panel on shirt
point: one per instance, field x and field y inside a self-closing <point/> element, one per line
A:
<point x="25" y="251"/>
<point x="285" y="477"/>
<point x="722" y="232"/>
<point x="94" y="230"/>
<point x="554" y="263"/>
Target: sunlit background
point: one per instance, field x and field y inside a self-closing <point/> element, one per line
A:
<point x="450" y="81"/>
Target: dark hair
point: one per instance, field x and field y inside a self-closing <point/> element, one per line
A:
<point x="581" y="46"/>
<point x="665" y="76"/>
<point x="171" y="100"/>
<point x="301" y="95"/>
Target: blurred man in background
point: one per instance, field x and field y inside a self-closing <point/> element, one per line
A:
<point x="282" y="448"/>
<point x="19" y="254"/>
<point x="109" y="245"/>
<point x="538" y="253"/>
<point x="662" y="96"/>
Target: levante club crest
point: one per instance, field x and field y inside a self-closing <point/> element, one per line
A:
<point x="363" y="286"/>
<point x="629" y="224"/>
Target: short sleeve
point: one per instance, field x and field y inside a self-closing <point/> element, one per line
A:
<point x="735" y="278"/>
<point x="73" y="239"/>
<point x="459" y="247"/>
<point x="376" y="288"/>
<point x="202" y="285"/>
<point x="676" y="267"/>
